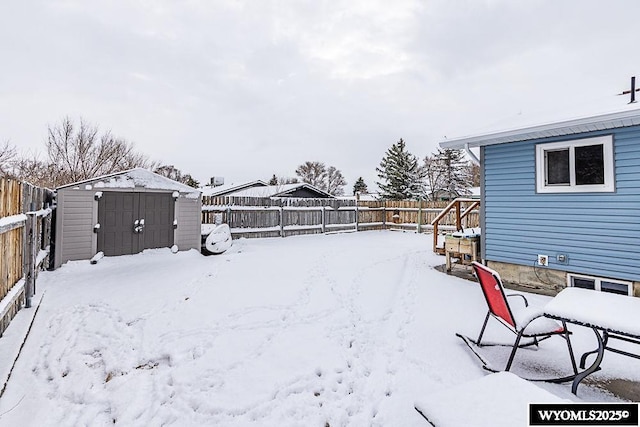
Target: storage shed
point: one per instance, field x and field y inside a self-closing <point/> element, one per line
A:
<point x="125" y="213"/>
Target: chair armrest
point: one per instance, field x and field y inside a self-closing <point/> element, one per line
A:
<point x="526" y="303"/>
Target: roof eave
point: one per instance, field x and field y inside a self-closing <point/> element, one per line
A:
<point x="567" y="127"/>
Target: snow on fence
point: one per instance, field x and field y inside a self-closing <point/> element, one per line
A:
<point x="25" y="232"/>
<point x="273" y="217"/>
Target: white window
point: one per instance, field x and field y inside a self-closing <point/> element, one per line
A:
<point x="578" y="166"/>
<point x="599" y="284"/>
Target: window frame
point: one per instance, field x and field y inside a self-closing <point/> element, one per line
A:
<point x="609" y="173"/>
<point x="597" y="285"/>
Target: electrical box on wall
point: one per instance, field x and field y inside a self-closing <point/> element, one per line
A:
<point x="543" y="260"/>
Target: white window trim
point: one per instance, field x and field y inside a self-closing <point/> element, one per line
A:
<point x="598" y="280"/>
<point x="609" y="176"/>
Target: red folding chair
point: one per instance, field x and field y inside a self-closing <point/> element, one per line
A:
<point x="524" y="322"/>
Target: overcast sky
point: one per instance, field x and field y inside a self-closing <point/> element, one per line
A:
<point x="247" y="88"/>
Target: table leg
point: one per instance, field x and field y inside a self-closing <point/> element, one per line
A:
<point x="583" y="359"/>
<point x="596" y="363"/>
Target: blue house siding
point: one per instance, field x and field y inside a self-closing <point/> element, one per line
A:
<point x="599" y="232"/>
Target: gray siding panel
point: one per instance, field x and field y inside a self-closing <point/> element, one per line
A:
<point x="599" y="232"/>
<point x="188" y="215"/>
<point x="75" y="221"/>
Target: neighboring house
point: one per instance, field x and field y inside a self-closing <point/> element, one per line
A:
<point x="225" y="190"/>
<point x="125" y="213"/>
<point x="299" y="190"/>
<point x="567" y="190"/>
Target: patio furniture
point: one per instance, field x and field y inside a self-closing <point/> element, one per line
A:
<point x="496" y="400"/>
<point x="524" y="322"/>
<point x="610" y="316"/>
<point x="463" y="245"/>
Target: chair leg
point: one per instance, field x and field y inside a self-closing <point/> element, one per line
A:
<point x="484" y="325"/>
<point x="513" y="352"/>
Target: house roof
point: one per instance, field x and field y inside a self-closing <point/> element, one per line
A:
<point x="223" y="190"/>
<point x="132" y="178"/>
<point x="282" y="190"/>
<point x="630" y="116"/>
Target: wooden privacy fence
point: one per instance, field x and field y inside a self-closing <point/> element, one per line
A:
<point x="25" y="235"/>
<point x="272" y="217"/>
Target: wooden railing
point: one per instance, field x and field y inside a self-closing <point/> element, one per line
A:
<point x="460" y="213"/>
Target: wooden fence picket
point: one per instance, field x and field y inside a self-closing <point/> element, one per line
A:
<point x="267" y="217"/>
<point x="25" y="233"/>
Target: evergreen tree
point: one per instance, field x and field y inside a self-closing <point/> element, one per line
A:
<point x="359" y="187"/>
<point x="176" y="174"/>
<point x="453" y="172"/>
<point x="400" y="176"/>
<point x="190" y="181"/>
<point x="273" y="180"/>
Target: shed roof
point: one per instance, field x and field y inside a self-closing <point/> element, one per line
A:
<point x="134" y="178"/>
<point x="630" y="116"/>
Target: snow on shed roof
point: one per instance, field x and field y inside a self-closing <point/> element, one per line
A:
<point x="132" y="178"/>
<point x="629" y="116"/>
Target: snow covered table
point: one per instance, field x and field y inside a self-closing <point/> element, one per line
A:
<point x="496" y="400"/>
<point x="611" y="316"/>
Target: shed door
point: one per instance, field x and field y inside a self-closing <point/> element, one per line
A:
<point x="158" y="215"/>
<point x="117" y="216"/>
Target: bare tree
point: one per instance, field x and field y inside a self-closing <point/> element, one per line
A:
<point x="474" y="172"/>
<point x="33" y="170"/>
<point x="433" y="180"/>
<point x="7" y="154"/>
<point x="80" y="152"/>
<point x="284" y="180"/>
<point x="326" y="179"/>
<point x="334" y="182"/>
<point x="313" y="173"/>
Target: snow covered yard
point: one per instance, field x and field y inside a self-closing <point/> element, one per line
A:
<point x="345" y="329"/>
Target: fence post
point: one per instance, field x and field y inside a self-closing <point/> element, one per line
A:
<point x="30" y="258"/>
<point x="384" y="215"/>
<point x="419" y="216"/>
<point x="324" y="219"/>
<point x="281" y="210"/>
<point x="357" y="219"/>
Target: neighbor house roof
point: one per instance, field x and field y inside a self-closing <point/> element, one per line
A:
<point x="283" y="190"/>
<point x="630" y="116"/>
<point x="223" y="190"/>
<point x="132" y="178"/>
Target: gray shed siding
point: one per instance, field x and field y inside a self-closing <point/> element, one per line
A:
<point x="188" y="216"/>
<point x="599" y="232"/>
<point x="76" y="215"/>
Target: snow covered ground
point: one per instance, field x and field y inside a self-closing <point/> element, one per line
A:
<point x="344" y="329"/>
